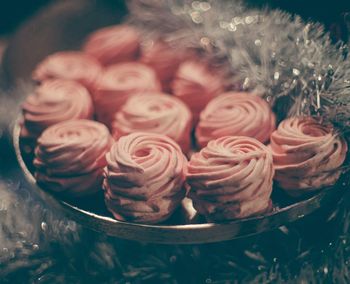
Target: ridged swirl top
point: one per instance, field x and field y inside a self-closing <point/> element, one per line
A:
<point x="156" y="113"/>
<point x="231" y="178"/>
<point x="113" y="44"/>
<point x="70" y="65"/>
<point x="237" y="114"/>
<point x="164" y="59"/>
<point x="144" y="177"/>
<point x="307" y="154"/>
<point x="117" y="83"/>
<point x="70" y="157"/>
<point x="196" y="85"/>
<point x="52" y="102"/>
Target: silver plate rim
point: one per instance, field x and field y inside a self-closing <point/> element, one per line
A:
<point x="131" y="231"/>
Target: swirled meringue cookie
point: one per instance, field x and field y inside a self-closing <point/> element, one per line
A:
<point x="52" y="102"/>
<point x="118" y="83"/>
<point x="70" y="157"/>
<point x="196" y="85"/>
<point x="306" y="154"/>
<point x="164" y="59"/>
<point x="144" y="177"/>
<point x="155" y="113"/>
<point x="70" y="65"/>
<point x="231" y="178"/>
<point x="237" y="114"/>
<point x="113" y="44"/>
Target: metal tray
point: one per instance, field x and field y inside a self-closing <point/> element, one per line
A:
<point x="62" y="26"/>
<point x="184" y="233"/>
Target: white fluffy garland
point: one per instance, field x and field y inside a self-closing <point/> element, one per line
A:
<point x="293" y="64"/>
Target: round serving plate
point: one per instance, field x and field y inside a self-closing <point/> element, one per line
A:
<point x="180" y="234"/>
<point x="63" y="26"/>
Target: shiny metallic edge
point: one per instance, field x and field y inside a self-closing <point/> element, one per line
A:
<point x="176" y="234"/>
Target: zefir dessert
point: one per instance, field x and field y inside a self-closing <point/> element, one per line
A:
<point x="148" y="126"/>
<point x="156" y="113"/>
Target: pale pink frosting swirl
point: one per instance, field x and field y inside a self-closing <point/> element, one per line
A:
<point x="155" y="113"/>
<point x="114" y="44"/>
<point x="231" y="178"/>
<point x="70" y="157"/>
<point x="70" y="65"/>
<point x="144" y="177"/>
<point x="117" y="84"/>
<point x="163" y="59"/>
<point x="196" y="85"/>
<point x="307" y="155"/>
<point x="236" y="114"/>
<point x="52" y="102"/>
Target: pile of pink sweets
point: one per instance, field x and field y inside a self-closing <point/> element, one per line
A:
<point x="117" y="116"/>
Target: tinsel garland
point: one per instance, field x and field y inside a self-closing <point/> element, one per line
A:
<point x="292" y="64"/>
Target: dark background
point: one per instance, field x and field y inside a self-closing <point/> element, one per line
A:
<point x="14" y="12"/>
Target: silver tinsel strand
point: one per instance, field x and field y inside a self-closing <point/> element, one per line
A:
<point x="292" y="64"/>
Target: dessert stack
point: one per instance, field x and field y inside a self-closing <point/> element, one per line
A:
<point x="149" y="125"/>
